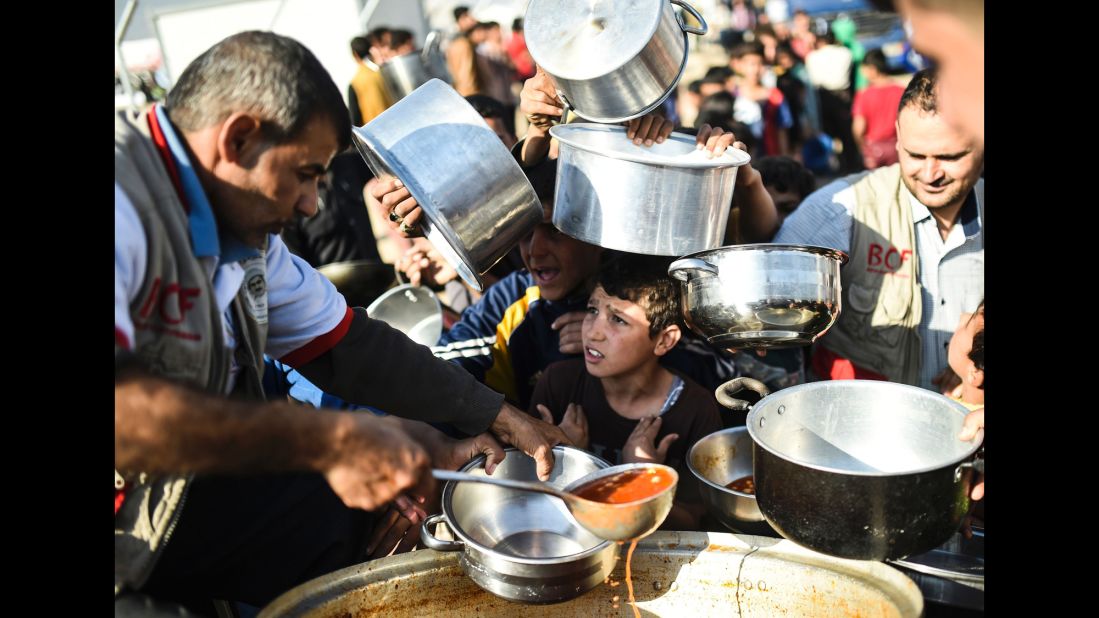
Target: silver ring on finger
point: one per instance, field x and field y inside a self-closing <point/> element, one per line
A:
<point x="394" y="217"/>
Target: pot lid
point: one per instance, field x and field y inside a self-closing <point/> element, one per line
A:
<point x="584" y="39"/>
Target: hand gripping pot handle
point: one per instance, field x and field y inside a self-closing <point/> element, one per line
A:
<point x="685" y="268"/>
<point x="433" y="542"/>
<point x="690" y="9"/>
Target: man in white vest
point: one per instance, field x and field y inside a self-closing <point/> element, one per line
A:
<point x="913" y="231"/>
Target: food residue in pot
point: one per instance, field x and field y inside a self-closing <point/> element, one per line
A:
<point x="744" y="484"/>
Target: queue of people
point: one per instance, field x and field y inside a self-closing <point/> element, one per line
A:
<point x="226" y="489"/>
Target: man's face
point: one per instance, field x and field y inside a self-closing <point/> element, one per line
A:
<point x="559" y="262"/>
<point x="268" y="188"/>
<point x="939" y="165"/>
<point x="958" y="48"/>
<point x="615" y="335"/>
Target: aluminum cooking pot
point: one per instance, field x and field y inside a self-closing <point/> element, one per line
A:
<point x="760" y="295"/>
<point x="360" y="281"/>
<point x="861" y="468"/>
<point x="520" y="545"/>
<point x="665" y="199"/>
<point x="404" y="74"/>
<point x="673" y="573"/>
<point x="612" y="60"/>
<point x="477" y="202"/>
<point x="414" y="310"/>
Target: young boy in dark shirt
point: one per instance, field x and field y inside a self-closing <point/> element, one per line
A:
<point x="618" y="401"/>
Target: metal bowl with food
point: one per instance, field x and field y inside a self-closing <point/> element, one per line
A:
<point x="520" y="545"/>
<point x="719" y="460"/>
<point x="862" y="468"/>
<point x="760" y="295"/>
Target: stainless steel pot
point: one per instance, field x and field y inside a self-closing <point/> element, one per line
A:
<point x="520" y="545"/>
<point x="674" y="574"/>
<point x="717" y="460"/>
<point x="612" y="60"/>
<point x="761" y="295"/>
<point x="861" y="468"/>
<point x="414" y="310"/>
<point x="404" y="74"/>
<point x="476" y="201"/>
<point x="360" y="281"/>
<point x="667" y="199"/>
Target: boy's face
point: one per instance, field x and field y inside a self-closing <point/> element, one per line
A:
<point x="616" y="336"/>
<point x="786" y="202"/>
<point x="559" y="262"/>
<point x="750" y="66"/>
<point x="961" y="344"/>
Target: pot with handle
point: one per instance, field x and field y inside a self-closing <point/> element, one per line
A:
<point x="404" y="74"/>
<point x="612" y="60"/>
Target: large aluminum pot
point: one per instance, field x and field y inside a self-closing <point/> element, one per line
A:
<point x="761" y="295"/>
<point x="612" y="60"/>
<point x="476" y="200"/>
<point x="717" y="460"/>
<point x="861" y="468"/>
<point x="412" y="309"/>
<point x="673" y="573"/>
<point x="404" y="74"/>
<point x="520" y="545"/>
<point x="666" y="199"/>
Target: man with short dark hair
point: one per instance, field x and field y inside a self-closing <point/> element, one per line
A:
<point x="204" y="287"/>
<point x="367" y="96"/>
<point x="913" y="231"/>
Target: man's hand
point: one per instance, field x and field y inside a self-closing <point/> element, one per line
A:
<point x="370" y="462"/>
<point x="398" y="529"/>
<point x="974" y="422"/>
<point x="568" y="329"/>
<point x="530" y="435"/>
<point x="652" y="128"/>
<point x="396" y="200"/>
<point x="640" y="447"/>
<point x="424" y="265"/>
<point x="461" y="451"/>
<point x="574" y="423"/>
<point x="539" y="102"/>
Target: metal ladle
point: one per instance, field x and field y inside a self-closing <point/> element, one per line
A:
<point x="614" y="522"/>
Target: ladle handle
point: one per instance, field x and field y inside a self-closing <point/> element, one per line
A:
<point x="447" y="475"/>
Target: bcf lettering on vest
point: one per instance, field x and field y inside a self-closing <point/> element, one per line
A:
<point x="886" y="261"/>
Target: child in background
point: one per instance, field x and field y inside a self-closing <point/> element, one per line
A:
<point x="618" y="401"/>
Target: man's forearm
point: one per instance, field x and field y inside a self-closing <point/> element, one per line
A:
<point x="536" y="146"/>
<point x="162" y="426"/>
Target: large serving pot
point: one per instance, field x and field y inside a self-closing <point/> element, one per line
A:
<point x="760" y="295"/>
<point x="404" y="74"/>
<point x="665" y="199"/>
<point x="674" y="574"/>
<point x="412" y="309"/>
<point x="612" y="60"/>
<point x="861" y="468"/>
<point x="717" y="460"/>
<point x="476" y="201"/>
<point x="521" y="545"/>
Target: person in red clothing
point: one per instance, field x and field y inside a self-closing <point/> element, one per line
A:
<point x="517" y="50"/>
<point x="874" y="113"/>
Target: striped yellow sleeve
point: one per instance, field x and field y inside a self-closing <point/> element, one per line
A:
<point x="501" y="376"/>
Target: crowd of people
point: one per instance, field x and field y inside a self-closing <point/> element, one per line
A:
<point x="227" y="198"/>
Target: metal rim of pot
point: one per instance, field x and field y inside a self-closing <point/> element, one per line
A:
<point x="681" y="268"/>
<point x="756" y="420"/>
<point x="732" y="157"/>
